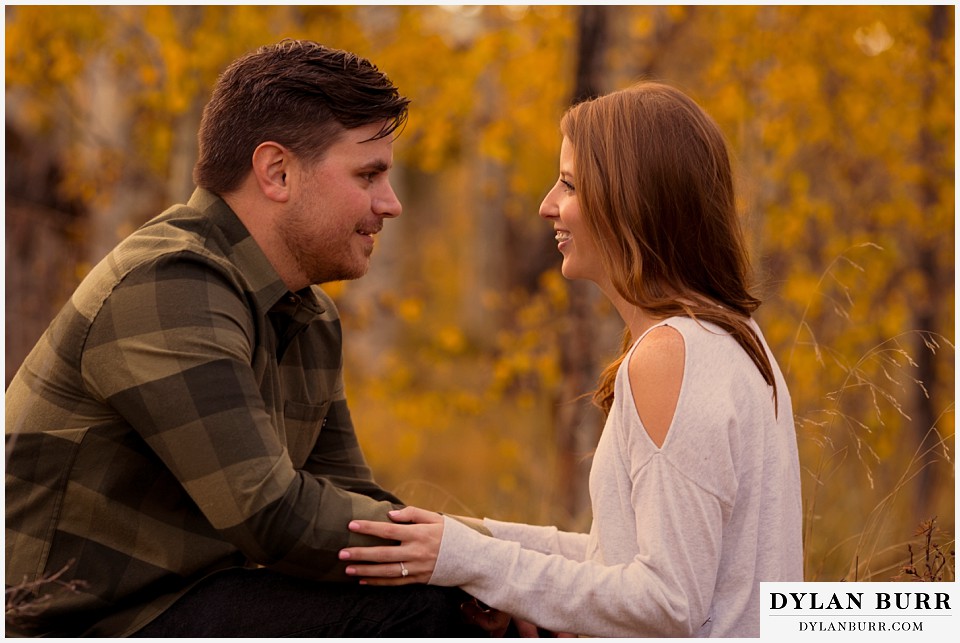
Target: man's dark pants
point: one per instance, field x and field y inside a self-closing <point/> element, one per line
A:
<point x="263" y="603"/>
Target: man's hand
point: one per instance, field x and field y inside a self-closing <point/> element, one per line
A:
<point x="493" y="621"/>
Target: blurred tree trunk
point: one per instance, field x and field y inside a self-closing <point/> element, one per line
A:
<point x="486" y="227"/>
<point x="108" y="122"/>
<point x="593" y="32"/>
<point x="41" y="231"/>
<point x="183" y="154"/>
<point x="578" y="422"/>
<point x="939" y="279"/>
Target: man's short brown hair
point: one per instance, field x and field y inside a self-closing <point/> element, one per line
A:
<point x="298" y="93"/>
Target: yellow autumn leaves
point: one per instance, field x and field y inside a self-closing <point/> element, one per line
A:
<point x="841" y="124"/>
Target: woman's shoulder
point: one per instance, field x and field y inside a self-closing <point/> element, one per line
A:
<point x="656" y="367"/>
<point x="707" y="341"/>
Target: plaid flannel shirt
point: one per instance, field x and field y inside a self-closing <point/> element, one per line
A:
<point x="184" y="413"/>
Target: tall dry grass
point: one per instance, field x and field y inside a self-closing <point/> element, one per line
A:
<point x="862" y="455"/>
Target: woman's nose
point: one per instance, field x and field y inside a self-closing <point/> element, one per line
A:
<point x="548" y="207"/>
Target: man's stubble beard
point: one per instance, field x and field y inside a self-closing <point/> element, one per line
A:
<point x="320" y="261"/>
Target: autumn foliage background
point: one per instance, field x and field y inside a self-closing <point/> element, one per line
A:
<point x="466" y="352"/>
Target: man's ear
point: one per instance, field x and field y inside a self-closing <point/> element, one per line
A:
<point x="271" y="165"/>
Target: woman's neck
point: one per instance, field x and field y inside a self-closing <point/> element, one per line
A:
<point x="636" y="319"/>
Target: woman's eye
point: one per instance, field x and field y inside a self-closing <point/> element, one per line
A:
<point x="567" y="184"/>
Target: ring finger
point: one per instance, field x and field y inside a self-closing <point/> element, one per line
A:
<point x="384" y="570"/>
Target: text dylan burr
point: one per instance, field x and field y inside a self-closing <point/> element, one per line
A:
<point x="855" y="601"/>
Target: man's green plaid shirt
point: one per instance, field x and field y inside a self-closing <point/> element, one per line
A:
<point x="184" y="413"/>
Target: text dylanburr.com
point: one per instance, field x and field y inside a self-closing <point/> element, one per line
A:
<point x="851" y="610"/>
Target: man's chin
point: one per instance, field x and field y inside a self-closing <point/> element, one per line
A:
<point x="344" y="275"/>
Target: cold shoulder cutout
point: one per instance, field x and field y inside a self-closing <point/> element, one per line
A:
<point x="656" y="372"/>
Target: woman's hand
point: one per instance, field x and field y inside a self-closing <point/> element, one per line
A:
<point x="412" y="561"/>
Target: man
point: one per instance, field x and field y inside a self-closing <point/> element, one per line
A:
<point x="179" y="441"/>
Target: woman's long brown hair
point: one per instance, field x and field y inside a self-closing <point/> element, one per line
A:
<point x="655" y="187"/>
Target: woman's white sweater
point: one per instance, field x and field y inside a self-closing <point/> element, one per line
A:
<point x="682" y="535"/>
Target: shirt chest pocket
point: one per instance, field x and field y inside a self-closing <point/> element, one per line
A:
<point x="302" y="424"/>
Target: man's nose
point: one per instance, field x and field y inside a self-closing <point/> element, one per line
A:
<point x="387" y="204"/>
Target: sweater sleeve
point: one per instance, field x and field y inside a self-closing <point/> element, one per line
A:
<point x="665" y="590"/>
<point x="544" y="539"/>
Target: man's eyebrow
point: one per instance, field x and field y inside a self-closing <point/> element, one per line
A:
<point x="377" y="165"/>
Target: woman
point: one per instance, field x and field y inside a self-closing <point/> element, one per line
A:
<point x="695" y="485"/>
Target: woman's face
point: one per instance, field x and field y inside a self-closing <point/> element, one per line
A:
<point x="581" y="258"/>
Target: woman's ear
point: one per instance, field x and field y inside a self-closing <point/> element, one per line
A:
<point x="271" y="165"/>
